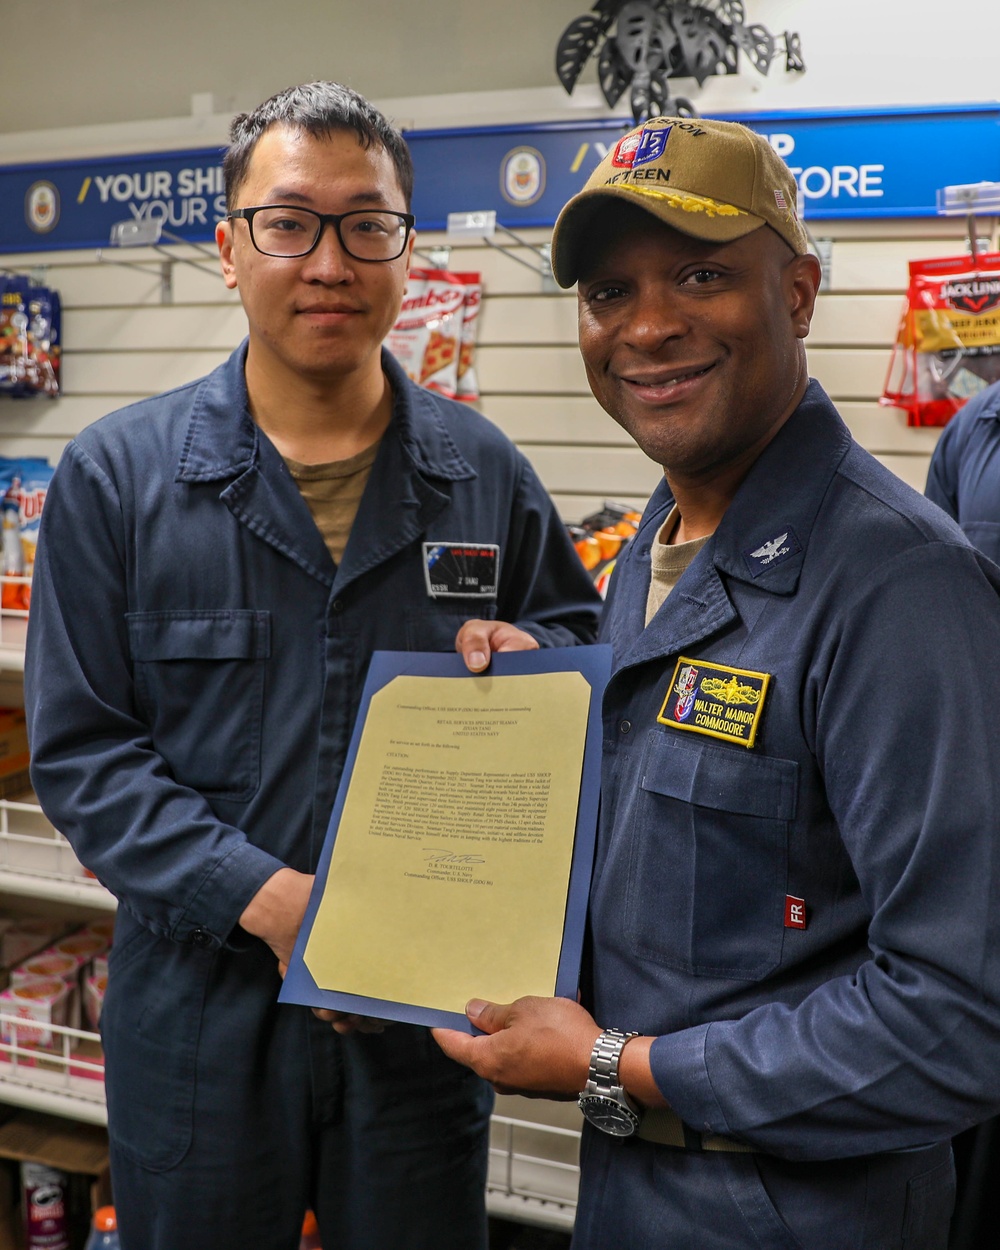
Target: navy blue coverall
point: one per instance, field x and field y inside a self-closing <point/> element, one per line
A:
<point x="964" y="479"/>
<point x="808" y="926"/>
<point x="195" y="661"/>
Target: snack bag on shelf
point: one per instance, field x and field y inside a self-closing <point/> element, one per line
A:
<point x="43" y="346"/>
<point x="13" y="334"/>
<point x="36" y="475"/>
<point x="468" y="383"/>
<point x="426" y="336"/>
<point x="36" y="1006"/>
<point x="600" y="537"/>
<point x="948" y="342"/>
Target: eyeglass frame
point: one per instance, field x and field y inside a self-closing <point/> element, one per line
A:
<point x="334" y="219"/>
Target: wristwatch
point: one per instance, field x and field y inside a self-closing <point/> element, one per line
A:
<point x="603" y="1101"/>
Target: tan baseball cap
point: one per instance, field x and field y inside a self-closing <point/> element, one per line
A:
<point x="712" y="180"/>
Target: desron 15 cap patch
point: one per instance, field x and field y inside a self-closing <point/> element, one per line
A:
<point x="715" y="699"/>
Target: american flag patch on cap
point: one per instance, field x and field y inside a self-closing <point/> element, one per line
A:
<point x="781" y="202"/>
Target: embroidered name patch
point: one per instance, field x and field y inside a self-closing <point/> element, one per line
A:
<point x="716" y="700"/>
<point x="461" y="570"/>
<point x="781" y="546"/>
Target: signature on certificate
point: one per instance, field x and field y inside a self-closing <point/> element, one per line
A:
<point x="435" y="856"/>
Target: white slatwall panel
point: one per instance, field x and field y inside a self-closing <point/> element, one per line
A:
<point x="122" y="342"/>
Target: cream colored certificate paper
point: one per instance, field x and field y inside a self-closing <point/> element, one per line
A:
<point x="452" y="858"/>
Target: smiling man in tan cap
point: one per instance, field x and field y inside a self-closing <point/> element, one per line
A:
<point x="792" y="994"/>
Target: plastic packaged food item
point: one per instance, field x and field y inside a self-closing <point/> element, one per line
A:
<point x="42" y="369"/>
<point x="467" y="385"/>
<point x="13" y="593"/>
<point x="426" y="335"/>
<point x="13" y="333"/>
<point x="600" y="538"/>
<point x="94" y="989"/>
<point x="310" y="1233"/>
<point x="45" y="1207"/>
<point x="948" y="343"/>
<point x="44" y="967"/>
<point x="103" y="1231"/>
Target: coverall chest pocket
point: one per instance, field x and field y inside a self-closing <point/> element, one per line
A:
<point x="708" y="858"/>
<point x="199" y="679"/>
<point x="434" y="627"/>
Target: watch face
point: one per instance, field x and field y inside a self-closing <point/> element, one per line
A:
<point x="609" y="1115"/>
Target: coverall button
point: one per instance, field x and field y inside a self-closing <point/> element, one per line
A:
<point x="201" y="938"/>
<point x="625" y="726"/>
<point x="338" y="605"/>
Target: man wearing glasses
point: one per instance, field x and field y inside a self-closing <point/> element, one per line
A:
<point x="216" y="567"/>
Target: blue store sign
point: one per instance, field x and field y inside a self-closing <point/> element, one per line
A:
<point x="886" y="163"/>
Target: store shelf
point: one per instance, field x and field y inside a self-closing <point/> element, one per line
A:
<point x="533" y="1172"/>
<point x="13" y="632"/>
<point x="36" y="860"/>
<point x="62" y="1081"/>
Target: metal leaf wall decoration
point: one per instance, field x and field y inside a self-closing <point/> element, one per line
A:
<point x="642" y="44"/>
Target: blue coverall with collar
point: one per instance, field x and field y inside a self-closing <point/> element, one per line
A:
<point x="847" y="1052"/>
<point x="195" y="661"/>
<point x="964" y="474"/>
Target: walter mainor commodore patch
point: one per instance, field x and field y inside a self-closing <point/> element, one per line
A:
<point x="715" y="699"/>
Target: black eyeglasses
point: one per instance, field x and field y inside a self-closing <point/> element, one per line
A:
<point x="365" y="234"/>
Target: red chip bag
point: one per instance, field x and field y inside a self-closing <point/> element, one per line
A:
<point x="468" y="382"/>
<point x="948" y="343"/>
<point x="428" y="331"/>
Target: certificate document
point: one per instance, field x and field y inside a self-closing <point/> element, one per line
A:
<point x="458" y="859"/>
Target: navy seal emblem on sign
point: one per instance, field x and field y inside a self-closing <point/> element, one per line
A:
<point x="461" y="570"/>
<point x="715" y="699"/>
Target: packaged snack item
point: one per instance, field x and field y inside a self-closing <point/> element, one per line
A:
<point x="103" y="928"/>
<point x="43" y="347"/>
<point x="13" y="592"/>
<point x="36" y="1006"/>
<point x="93" y="1000"/>
<point x="467" y="387"/>
<point x="13" y="334"/>
<point x="45" y="1207"/>
<point x="600" y="537"/>
<point x="79" y="946"/>
<point x="426" y="336"/>
<point x="35" y="478"/>
<point x="948" y="343"/>
<point x="46" y="967"/>
<point x="19" y="939"/>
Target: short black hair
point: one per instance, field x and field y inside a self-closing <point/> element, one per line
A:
<point x="319" y="108"/>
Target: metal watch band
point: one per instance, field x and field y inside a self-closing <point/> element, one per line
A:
<point x="605" y="1056"/>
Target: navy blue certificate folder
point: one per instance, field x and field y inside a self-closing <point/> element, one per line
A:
<point x="594" y="664"/>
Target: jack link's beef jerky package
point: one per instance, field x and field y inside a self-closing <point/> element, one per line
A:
<point x="948" y="344"/>
<point x="428" y="331"/>
<point x="468" y="382"/>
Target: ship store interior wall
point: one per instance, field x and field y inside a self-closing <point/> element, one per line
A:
<point x="110" y="90"/>
<point x="122" y="343"/>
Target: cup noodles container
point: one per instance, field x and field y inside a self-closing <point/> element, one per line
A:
<point x="427" y="334"/>
<point x="20" y="939"/>
<point x="45" y="967"/>
<point x="103" y="928"/>
<point x="93" y="1000"/>
<point x="100" y="966"/>
<point x="36" y="1005"/>
<point x="82" y="946"/>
